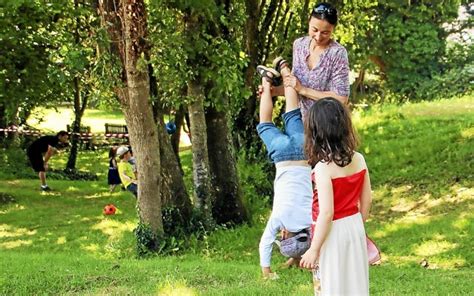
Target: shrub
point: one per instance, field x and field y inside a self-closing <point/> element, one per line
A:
<point x="455" y="77"/>
<point x="14" y="165"/>
<point x="257" y="183"/>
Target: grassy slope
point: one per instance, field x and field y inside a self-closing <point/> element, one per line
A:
<point x="421" y="162"/>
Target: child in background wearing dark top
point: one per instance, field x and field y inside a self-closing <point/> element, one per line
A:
<point x="113" y="176"/>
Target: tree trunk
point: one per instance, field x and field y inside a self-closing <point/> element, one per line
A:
<point x="204" y="196"/>
<point x="79" y="109"/>
<point x="378" y="61"/>
<point x="13" y="139"/>
<point x="175" y="138"/>
<point x="228" y="206"/>
<point x="304" y="14"/>
<point x="201" y="174"/>
<point x="127" y="27"/>
<point x="246" y="121"/>
<point x="173" y="189"/>
<point x="173" y="192"/>
<point x="139" y="115"/>
<point x="358" y="85"/>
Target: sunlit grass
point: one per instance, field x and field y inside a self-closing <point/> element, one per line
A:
<point x="10" y="231"/>
<point x="50" y="120"/>
<point x="176" y="289"/>
<point x="421" y="161"/>
<point x="114" y="229"/>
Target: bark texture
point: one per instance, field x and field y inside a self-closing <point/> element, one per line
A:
<point x="201" y="173"/>
<point x="173" y="193"/>
<point x="228" y="206"/>
<point x="79" y="108"/>
<point x="173" y="189"/>
<point x="127" y="28"/>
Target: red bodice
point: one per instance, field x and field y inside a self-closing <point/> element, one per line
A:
<point x="347" y="191"/>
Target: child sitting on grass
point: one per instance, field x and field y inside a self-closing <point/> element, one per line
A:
<point x="127" y="175"/>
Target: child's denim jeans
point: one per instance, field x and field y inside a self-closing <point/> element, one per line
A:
<point x="287" y="145"/>
<point x="133" y="188"/>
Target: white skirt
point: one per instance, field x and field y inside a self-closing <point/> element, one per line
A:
<point x="343" y="263"/>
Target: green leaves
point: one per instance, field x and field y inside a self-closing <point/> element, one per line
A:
<point x="410" y="40"/>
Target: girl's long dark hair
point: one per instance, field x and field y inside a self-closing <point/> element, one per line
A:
<point x="329" y="135"/>
<point x="112" y="152"/>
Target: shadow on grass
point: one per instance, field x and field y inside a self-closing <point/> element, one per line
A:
<point x="422" y="175"/>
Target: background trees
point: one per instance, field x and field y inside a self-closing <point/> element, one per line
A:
<point x="26" y="33"/>
<point x="199" y="58"/>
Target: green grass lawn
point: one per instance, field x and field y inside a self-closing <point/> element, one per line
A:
<point x="49" y="120"/>
<point x="420" y="158"/>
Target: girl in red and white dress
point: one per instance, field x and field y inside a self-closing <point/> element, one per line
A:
<point x="341" y="201"/>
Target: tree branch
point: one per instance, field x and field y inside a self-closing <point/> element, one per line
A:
<point x="275" y="21"/>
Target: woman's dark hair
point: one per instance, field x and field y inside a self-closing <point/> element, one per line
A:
<point x="329" y="135"/>
<point x="325" y="11"/>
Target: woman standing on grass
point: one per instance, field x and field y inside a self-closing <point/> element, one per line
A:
<point x="320" y="64"/>
<point x="341" y="202"/>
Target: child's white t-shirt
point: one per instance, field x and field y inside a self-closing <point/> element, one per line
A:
<point x="291" y="210"/>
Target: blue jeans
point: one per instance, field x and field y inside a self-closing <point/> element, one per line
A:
<point x="287" y="145"/>
<point x="133" y="188"/>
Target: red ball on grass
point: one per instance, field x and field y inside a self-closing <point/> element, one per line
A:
<point x="109" y="209"/>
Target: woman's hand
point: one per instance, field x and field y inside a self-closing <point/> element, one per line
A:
<point x="309" y="259"/>
<point x="290" y="80"/>
<point x="274" y="90"/>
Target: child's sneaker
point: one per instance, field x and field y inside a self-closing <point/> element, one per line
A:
<point x="45" y="188"/>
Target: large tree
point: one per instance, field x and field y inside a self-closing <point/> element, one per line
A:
<point x="201" y="58"/>
<point x="126" y="25"/>
<point x="173" y="190"/>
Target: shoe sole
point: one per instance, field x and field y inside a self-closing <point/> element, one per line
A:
<point x="263" y="71"/>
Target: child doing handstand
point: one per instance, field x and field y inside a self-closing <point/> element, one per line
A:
<point x="291" y="211"/>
